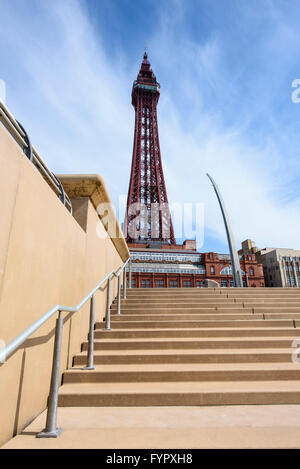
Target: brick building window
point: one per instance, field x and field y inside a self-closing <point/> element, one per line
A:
<point x="231" y="283"/>
<point x="187" y="284"/>
<point x="145" y="283"/>
<point x="251" y="271"/>
<point x="159" y="284"/>
<point x="223" y="283"/>
<point x="212" y="270"/>
<point x="198" y="284"/>
<point x="133" y="283"/>
<point x="173" y="284"/>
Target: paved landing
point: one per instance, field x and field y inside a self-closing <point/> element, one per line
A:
<point x="168" y="427"/>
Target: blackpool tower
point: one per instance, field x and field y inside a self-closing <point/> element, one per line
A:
<point x="148" y="216"/>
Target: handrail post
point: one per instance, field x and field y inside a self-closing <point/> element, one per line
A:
<point x="124" y="283"/>
<point x="130" y="275"/>
<point x="119" y="294"/>
<point x="107" y="327"/>
<point x="90" y="355"/>
<point x="51" y="430"/>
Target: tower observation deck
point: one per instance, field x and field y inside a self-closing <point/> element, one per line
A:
<point x="148" y="216"/>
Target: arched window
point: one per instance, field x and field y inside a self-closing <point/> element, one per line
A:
<point x="212" y="270"/>
<point x="228" y="271"/>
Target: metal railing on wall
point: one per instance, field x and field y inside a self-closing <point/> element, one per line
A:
<point x="21" y="137"/>
<point x="51" y="430"/>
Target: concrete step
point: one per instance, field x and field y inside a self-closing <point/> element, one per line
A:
<point x="219" y="315"/>
<point x="198" y="324"/>
<point x="267" y="302"/>
<point x="188" y="343"/>
<point x="186" y="309"/>
<point x="193" y="297"/>
<point x="177" y="394"/>
<point x="196" y="292"/>
<point x="200" y="303"/>
<point x="180" y="373"/>
<point x="262" y="355"/>
<point x="197" y="332"/>
<point x="281" y="309"/>
<point x="204" y="316"/>
<point x="177" y="304"/>
<point x="197" y="301"/>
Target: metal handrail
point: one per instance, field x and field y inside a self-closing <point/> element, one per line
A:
<point x="118" y="275"/>
<point x="21" y="137"/>
<point x="51" y="430"/>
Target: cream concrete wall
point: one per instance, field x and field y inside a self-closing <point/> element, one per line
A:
<point x="46" y="258"/>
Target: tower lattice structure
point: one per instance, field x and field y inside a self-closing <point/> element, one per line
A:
<point x="147" y="216"/>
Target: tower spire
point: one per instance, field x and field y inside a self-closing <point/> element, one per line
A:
<point x="148" y="215"/>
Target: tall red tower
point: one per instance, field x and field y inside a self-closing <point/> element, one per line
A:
<point x="147" y="216"/>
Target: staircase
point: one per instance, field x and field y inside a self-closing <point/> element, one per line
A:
<point x="192" y="347"/>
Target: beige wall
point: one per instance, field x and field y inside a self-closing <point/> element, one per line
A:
<point x="46" y="258"/>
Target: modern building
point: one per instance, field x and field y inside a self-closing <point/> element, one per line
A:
<point x="280" y="265"/>
<point x="157" y="260"/>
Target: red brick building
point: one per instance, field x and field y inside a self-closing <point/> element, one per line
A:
<point x="181" y="266"/>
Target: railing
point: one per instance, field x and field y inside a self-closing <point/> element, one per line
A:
<point x="20" y="136"/>
<point x="51" y="430"/>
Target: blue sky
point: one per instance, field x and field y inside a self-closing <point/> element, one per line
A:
<point x="226" y="70"/>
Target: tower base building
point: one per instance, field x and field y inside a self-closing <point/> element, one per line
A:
<point x="181" y="266"/>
